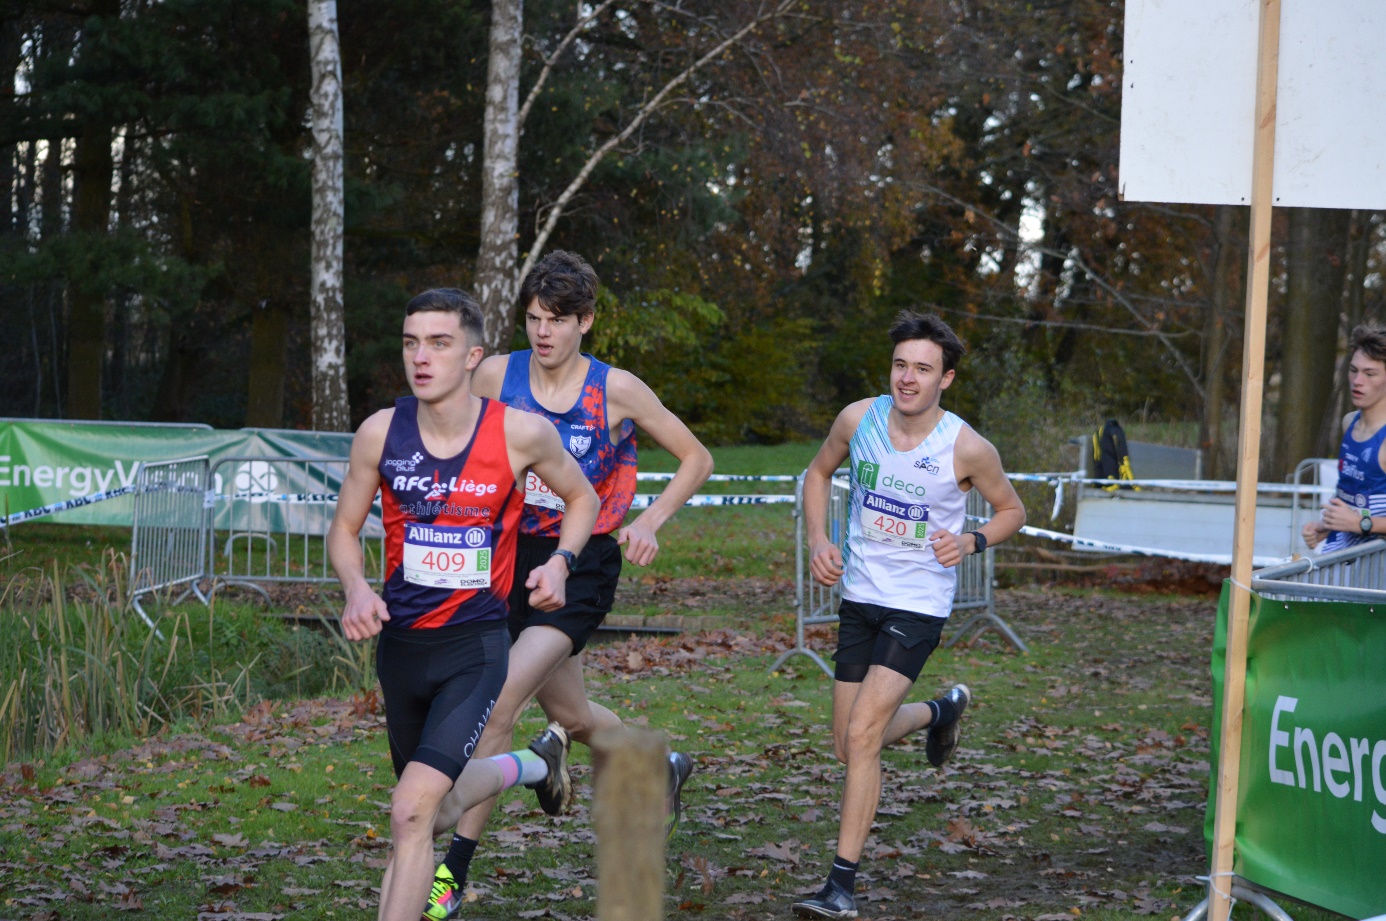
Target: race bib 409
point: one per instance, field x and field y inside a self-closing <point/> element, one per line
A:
<point x="447" y="556"/>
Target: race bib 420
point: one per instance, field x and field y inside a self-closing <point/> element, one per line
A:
<point x="892" y="521"/>
<point x="447" y="556"/>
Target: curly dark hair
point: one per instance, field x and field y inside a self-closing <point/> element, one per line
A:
<point x="563" y="284"/>
<point x="1369" y="338"/>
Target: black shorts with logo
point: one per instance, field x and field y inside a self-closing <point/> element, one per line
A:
<point x="591" y="589"/>
<point x="440" y="686"/>
<point x="870" y="634"/>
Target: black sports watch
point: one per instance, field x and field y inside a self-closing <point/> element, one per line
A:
<point x="569" y="557"/>
<point x="981" y="541"/>
<point x="1366" y="523"/>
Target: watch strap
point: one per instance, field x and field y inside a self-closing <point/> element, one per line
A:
<point x="981" y="540"/>
<point x="568" y="557"/>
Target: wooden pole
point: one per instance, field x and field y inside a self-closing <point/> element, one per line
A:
<point x="631" y="782"/>
<point x="1248" y="462"/>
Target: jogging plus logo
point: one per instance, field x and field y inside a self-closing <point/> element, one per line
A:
<point x="405" y="464"/>
<point x="867" y="472"/>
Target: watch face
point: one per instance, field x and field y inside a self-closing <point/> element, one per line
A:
<point x="1366" y="524"/>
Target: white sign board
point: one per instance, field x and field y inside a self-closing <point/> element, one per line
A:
<point x="1189" y="101"/>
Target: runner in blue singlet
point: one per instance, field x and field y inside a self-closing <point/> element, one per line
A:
<point x="1358" y="511"/>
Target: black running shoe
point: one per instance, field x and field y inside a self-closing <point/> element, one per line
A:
<point x="680" y="766"/>
<point x="555" y="790"/>
<point x="832" y="901"/>
<point x="943" y="741"/>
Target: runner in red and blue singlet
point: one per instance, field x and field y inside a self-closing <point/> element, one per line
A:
<point x="447" y="464"/>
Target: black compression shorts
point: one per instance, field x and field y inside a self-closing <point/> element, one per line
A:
<point x="870" y="634"/>
<point x="591" y="589"/>
<point x="440" y="686"/>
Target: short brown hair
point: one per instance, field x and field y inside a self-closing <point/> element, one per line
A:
<point x="563" y="284"/>
<point x="452" y="300"/>
<point x="1371" y="339"/>
<point x="910" y="324"/>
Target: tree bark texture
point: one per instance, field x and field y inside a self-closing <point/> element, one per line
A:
<point x="1215" y="340"/>
<point x="92" y="169"/>
<point x="269" y="333"/>
<point x="330" y="410"/>
<point x="1313" y="308"/>
<point x="496" y="281"/>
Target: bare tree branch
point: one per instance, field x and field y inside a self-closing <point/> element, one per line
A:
<point x="646" y="110"/>
<point x="552" y="59"/>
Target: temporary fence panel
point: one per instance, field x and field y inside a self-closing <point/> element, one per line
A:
<point x="1311" y="807"/>
<point x="269" y="521"/>
<point x="168" y="538"/>
<point x="1352" y="574"/>
<point x="818" y="604"/>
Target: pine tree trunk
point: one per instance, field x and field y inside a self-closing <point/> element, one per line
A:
<point x="269" y="331"/>
<point x="330" y="409"/>
<point x="1215" y="341"/>
<point x="92" y="167"/>
<point x="1313" y="308"/>
<point x="496" y="282"/>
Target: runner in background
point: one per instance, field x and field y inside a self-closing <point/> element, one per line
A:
<point x="1358" y="511"/>
<point x="596" y="409"/>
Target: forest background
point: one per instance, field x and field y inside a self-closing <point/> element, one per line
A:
<point x="761" y="186"/>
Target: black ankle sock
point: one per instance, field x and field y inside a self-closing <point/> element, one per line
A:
<point x="459" y="858"/>
<point x="844" y="873"/>
<point x="944" y="710"/>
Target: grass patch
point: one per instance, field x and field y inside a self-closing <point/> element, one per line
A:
<point x="1078" y="790"/>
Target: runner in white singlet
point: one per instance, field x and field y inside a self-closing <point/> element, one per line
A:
<point x="912" y="465"/>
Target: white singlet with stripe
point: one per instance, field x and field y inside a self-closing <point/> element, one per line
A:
<point x="898" y="498"/>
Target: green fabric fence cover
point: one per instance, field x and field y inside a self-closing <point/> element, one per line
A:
<point x="1311" y="804"/>
<point x="45" y="462"/>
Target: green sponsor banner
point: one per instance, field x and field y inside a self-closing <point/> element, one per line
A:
<point x="1311" y="802"/>
<point x="43" y="463"/>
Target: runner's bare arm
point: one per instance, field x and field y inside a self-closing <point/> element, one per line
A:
<point x="976" y="461"/>
<point x="825" y="560"/>
<point x="534" y="444"/>
<point x="488" y="377"/>
<point x="628" y="397"/>
<point x="364" y="611"/>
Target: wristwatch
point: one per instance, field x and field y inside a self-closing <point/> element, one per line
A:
<point x="568" y="557"/>
<point x="981" y="540"/>
<point x="1366" y="523"/>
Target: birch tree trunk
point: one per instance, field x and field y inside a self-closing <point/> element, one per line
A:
<point x="496" y="280"/>
<point x="330" y="411"/>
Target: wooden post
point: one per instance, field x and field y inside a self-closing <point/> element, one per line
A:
<point x="632" y="780"/>
<point x="1248" y="462"/>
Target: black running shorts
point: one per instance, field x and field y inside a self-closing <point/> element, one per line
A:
<point x="440" y="686"/>
<point x="869" y="634"/>
<point x="591" y="589"/>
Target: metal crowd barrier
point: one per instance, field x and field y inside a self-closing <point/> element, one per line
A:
<point x="167" y="537"/>
<point x="818" y="604"/>
<point x="1352" y="574"/>
<point x="268" y="522"/>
